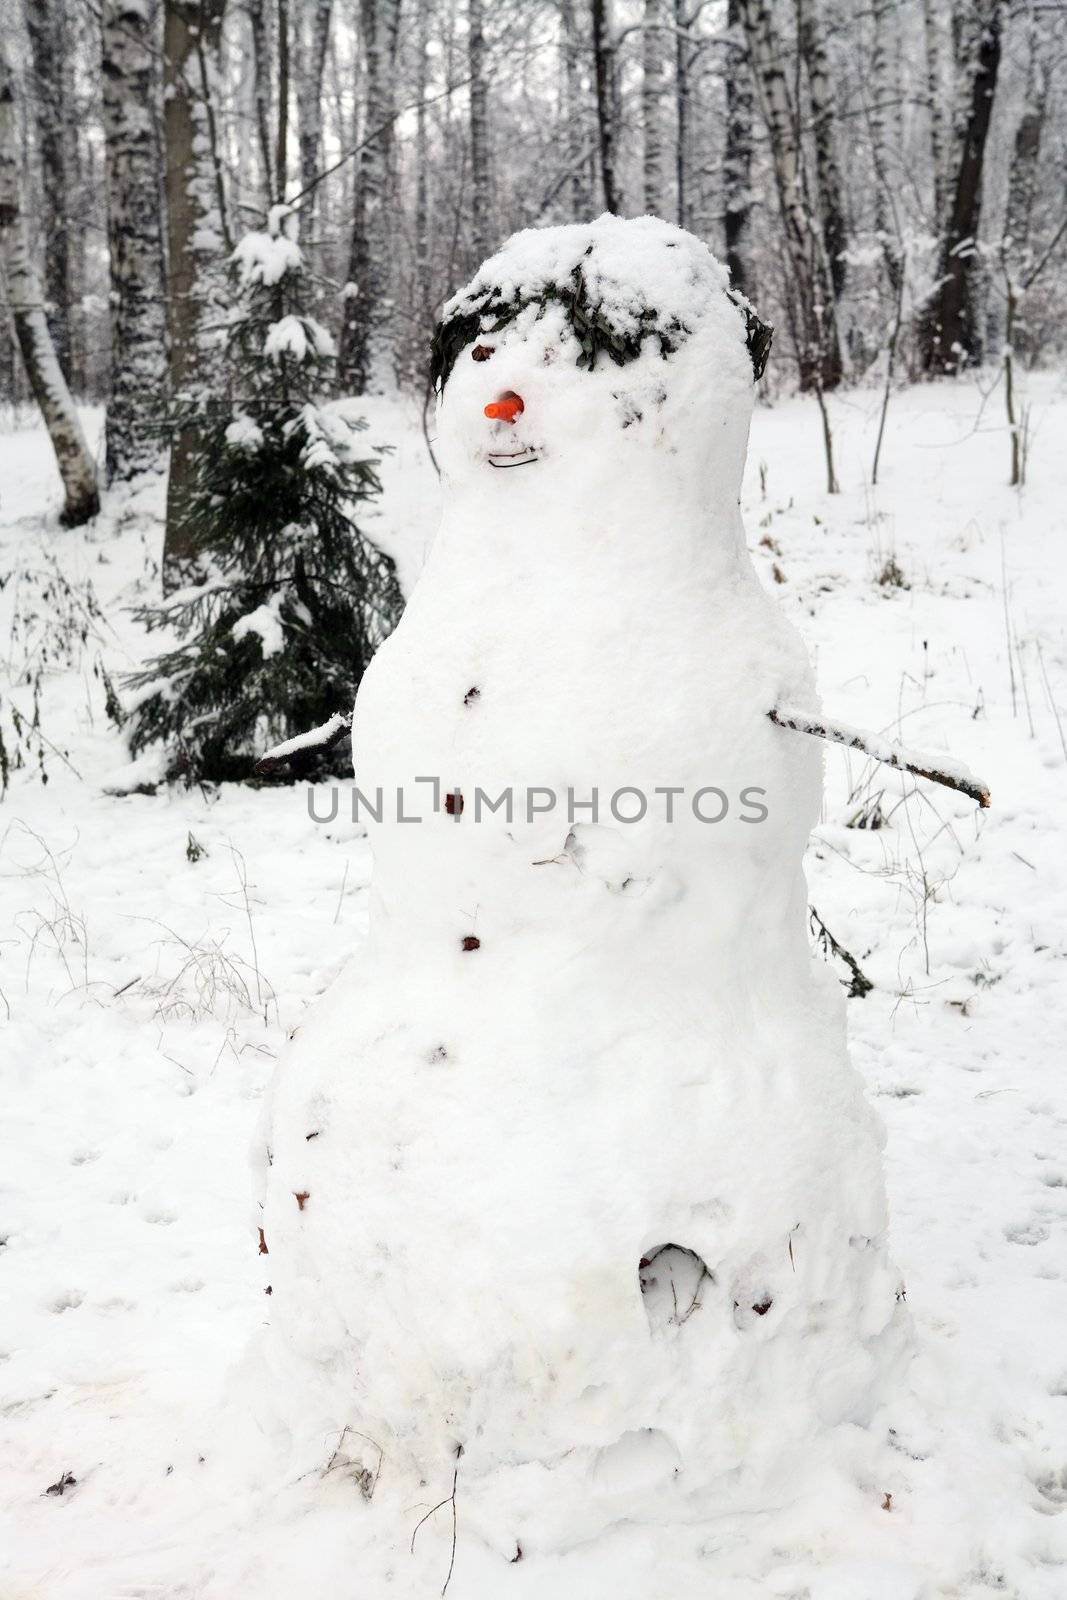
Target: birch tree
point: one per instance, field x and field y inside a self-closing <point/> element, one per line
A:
<point x="810" y="297"/>
<point x="737" y="157"/>
<point x="198" y="242"/>
<point x="367" y="359"/>
<point x="653" y="91"/>
<point x="934" y="104"/>
<point x="46" y="24"/>
<point x="18" y="277"/>
<point x="481" y="226"/>
<point x="604" y="68"/>
<point x="578" y="133"/>
<point x="135" y="237"/>
<point x="881" y="121"/>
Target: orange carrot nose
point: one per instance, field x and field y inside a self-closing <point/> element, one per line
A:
<point x="507" y="408"/>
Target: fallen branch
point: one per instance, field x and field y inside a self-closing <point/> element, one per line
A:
<point x="321" y="738"/>
<point x="952" y="774"/>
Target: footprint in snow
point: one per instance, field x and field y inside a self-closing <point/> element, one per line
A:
<point x="1032" y="1232"/>
<point x="69" y="1301"/>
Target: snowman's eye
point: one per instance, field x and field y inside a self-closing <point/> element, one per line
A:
<point x="481" y="352"/>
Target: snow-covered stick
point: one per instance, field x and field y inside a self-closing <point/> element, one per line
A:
<point x="322" y="738"/>
<point x="952" y="774"/>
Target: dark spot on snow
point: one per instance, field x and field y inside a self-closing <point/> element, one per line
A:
<point x="471" y="942"/>
<point x="268" y="1290"/>
<point x="472" y="694"/>
<point x="302" y="1197"/>
<point x="313" y="1135"/>
<point x="438" y="1053"/>
<point x="168" y="1472"/>
<point x="62" y="1484"/>
<point x="762" y="1307"/>
<point x="454" y="803"/>
<point x="518" y="1554"/>
<point x="482" y="352"/>
<point x="263" y="1243"/>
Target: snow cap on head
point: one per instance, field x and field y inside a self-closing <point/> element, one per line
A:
<point x="620" y="283"/>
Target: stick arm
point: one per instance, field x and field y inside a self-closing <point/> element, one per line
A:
<point x="951" y="774"/>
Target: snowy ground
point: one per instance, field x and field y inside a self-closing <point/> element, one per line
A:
<point x="154" y="950"/>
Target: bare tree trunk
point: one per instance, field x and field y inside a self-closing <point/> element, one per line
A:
<point x="479" y="127"/>
<point x="682" y="63"/>
<point x="135" y="239"/>
<point x="261" y="71"/>
<point x="883" y="96"/>
<point x="23" y="293"/>
<point x="367" y="360"/>
<point x="934" y="92"/>
<point x="578" y="131"/>
<point x="604" y="63"/>
<point x="653" y="85"/>
<point x="818" y="345"/>
<point x="197" y="240"/>
<point x="950" y="330"/>
<point x="316" y="38"/>
<point x="422" y="175"/>
<point x="46" y="25"/>
<point x="737" y="159"/>
<point x="812" y="43"/>
<point x="281" y="154"/>
<point x="1025" y="155"/>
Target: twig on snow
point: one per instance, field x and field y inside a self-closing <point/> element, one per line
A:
<point x="861" y="985"/>
<point x="448" y="1500"/>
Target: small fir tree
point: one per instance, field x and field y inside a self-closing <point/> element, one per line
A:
<point x="290" y="600"/>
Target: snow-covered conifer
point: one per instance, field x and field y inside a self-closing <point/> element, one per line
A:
<point x="294" y="599"/>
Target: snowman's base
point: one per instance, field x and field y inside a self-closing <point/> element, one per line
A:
<point x="867" y="1517"/>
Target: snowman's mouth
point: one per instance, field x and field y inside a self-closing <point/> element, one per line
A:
<point x="512" y="458"/>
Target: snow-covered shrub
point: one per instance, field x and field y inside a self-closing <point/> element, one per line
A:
<point x="291" y="600"/>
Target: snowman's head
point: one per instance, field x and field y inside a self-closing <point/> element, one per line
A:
<point x="595" y="355"/>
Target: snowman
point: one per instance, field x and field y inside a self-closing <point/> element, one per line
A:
<point x="574" y="1209"/>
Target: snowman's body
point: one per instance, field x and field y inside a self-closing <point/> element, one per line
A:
<point x="482" y="1150"/>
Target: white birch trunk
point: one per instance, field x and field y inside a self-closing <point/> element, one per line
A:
<point x="23" y="294"/>
<point x="884" y="127"/>
<point x="654" y="37"/>
<point x="578" y="129"/>
<point x="604" y="68"/>
<point x="481" y="225"/>
<point x="812" y="42"/>
<point x="197" y="239"/>
<point x="737" y="160"/>
<point x="815" y="330"/>
<point x="46" y="25"/>
<point x="135" y="238"/>
<point x="935" y="106"/>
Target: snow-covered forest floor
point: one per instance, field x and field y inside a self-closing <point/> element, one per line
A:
<point x="155" y="949"/>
